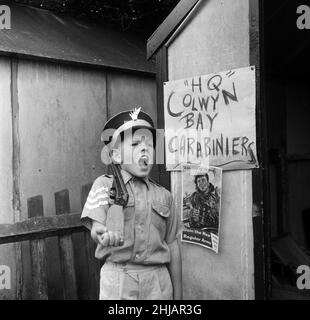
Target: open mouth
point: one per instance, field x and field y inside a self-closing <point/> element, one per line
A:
<point x="144" y="161"/>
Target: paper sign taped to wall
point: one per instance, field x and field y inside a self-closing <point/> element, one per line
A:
<point x="201" y="208"/>
<point x="210" y="120"/>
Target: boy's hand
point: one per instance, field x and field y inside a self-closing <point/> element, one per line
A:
<point x="97" y="230"/>
<point x="111" y="238"/>
<point x="100" y="234"/>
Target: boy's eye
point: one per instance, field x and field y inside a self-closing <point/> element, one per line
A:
<point x="148" y="143"/>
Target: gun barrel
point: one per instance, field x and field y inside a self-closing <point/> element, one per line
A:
<point x="121" y="194"/>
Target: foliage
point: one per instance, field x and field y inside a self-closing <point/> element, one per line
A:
<point x="124" y="14"/>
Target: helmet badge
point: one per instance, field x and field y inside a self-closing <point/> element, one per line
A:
<point x="134" y="113"/>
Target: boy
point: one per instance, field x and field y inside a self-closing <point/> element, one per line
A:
<point x="146" y="263"/>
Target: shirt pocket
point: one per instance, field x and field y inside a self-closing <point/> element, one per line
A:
<point x="160" y="213"/>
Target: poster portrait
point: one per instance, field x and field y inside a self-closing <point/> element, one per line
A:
<point x="201" y="209"/>
<point x="210" y="119"/>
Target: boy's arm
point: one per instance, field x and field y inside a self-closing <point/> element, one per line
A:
<point x="95" y="211"/>
<point x="97" y="202"/>
<point x="175" y="270"/>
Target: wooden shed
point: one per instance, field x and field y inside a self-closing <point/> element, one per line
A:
<point x="60" y="80"/>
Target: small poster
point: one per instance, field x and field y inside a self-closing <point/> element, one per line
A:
<point x="201" y="195"/>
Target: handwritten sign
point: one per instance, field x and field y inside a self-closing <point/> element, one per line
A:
<point x="210" y="120"/>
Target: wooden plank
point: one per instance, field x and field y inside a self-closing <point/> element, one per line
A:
<point x="165" y="30"/>
<point x="37" y="254"/>
<point x="35" y="205"/>
<point x="40" y="228"/>
<point x="16" y="140"/>
<point x="62" y="204"/>
<point x="260" y="185"/>
<point x="16" y="173"/>
<point x="161" y="77"/>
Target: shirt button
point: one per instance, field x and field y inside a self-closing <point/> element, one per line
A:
<point x="137" y="256"/>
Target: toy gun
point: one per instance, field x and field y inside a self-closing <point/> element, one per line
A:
<point x="118" y="193"/>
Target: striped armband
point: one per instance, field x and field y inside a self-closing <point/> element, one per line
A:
<point x="97" y="198"/>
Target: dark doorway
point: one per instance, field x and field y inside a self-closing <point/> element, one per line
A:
<point x="287" y="102"/>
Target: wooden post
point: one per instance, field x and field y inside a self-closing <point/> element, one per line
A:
<point x="66" y="253"/>
<point x="16" y="173"/>
<point x="37" y="253"/>
<point x="260" y="176"/>
<point x="161" y="77"/>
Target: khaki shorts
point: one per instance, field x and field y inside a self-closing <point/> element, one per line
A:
<point x="134" y="282"/>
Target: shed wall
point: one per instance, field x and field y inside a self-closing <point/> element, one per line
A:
<point x="216" y="38"/>
<point x="62" y="110"/>
<point x="7" y="254"/>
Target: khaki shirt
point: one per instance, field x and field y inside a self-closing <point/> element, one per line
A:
<point x="151" y="222"/>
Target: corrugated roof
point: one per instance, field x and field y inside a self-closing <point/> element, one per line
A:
<point x="43" y="34"/>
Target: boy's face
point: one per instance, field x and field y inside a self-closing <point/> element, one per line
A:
<point x="136" y="152"/>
